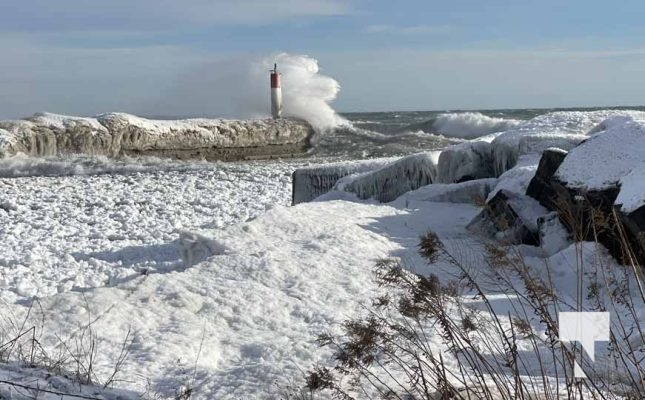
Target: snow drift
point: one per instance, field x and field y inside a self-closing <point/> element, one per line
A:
<point x="116" y="134"/>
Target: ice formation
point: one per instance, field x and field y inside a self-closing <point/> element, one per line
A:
<point x="562" y="129"/>
<point x="494" y="154"/>
<point x="311" y="182"/>
<point x="117" y="134"/>
<point x="465" y="161"/>
<point x="470" y="192"/>
<point x="392" y="180"/>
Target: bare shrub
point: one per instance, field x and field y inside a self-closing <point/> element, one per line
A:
<point x="73" y="356"/>
<point x="392" y="352"/>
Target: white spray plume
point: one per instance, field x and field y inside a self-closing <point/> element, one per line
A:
<point x="238" y="87"/>
<point x="307" y="94"/>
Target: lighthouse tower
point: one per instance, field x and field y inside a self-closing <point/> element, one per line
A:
<point x="276" y="93"/>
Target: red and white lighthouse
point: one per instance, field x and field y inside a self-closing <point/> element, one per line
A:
<point x="276" y="93"/>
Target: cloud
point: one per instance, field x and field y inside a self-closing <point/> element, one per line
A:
<point x="73" y="15"/>
<point x="410" y="30"/>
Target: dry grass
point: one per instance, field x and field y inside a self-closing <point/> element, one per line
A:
<point x="389" y="352"/>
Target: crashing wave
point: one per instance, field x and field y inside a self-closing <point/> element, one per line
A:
<point x="466" y="125"/>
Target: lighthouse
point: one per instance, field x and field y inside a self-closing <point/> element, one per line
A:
<point x="276" y="93"/>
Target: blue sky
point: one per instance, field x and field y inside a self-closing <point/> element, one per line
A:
<point x="91" y="56"/>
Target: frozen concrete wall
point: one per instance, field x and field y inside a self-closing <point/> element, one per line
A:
<point x="116" y="134"/>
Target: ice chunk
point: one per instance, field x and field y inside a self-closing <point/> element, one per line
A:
<point x="632" y="190"/>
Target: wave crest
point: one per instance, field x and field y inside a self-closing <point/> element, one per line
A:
<point x="469" y="125"/>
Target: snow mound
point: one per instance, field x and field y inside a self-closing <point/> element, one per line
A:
<point x="116" y="134"/>
<point x="28" y="382"/>
<point x="391" y="181"/>
<point x="312" y="182"/>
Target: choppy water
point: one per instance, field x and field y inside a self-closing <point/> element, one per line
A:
<point x="375" y="134"/>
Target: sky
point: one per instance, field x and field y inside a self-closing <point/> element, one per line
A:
<point x="183" y="57"/>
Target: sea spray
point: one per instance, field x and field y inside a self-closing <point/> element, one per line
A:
<point x="239" y="87"/>
<point x="307" y="93"/>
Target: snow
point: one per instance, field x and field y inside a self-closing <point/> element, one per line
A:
<point x="517" y="179"/>
<point x="286" y="277"/>
<point x="609" y="158"/>
<point x="612" y="156"/>
<point x="35" y="383"/>
<point x="528" y="210"/>
<point x="562" y="129"/>
<point x="464" y="192"/>
<point x="94" y="230"/>
<point x="554" y="237"/>
<point x="61" y="122"/>
<point x="225" y="287"/>
<point x="632" y="190"/>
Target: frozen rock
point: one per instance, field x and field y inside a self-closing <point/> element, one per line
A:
<point x="465" y="161"/>
<point x="312" y="182"/>
<point x="540" y="187"/>
<point x="606" y="157"/>
<point x="517" y="179"/>
<point x="599" y="185"/>
<point x="391" y="181"/>
<point x="510" y="217"/>
<point x="117" y="134"/>
<point x="562" y="129"/>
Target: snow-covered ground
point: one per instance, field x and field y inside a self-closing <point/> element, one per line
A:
<point x="223" y="286"/>
<point x="62" y="233"/>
